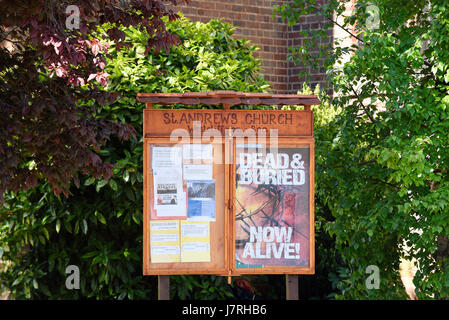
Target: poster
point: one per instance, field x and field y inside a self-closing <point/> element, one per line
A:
<point x="272" y="207"/>
<point x="195" y="241"/>
<point x="201" y="200"/>
<point x="165" y="241"/>
<point x="168" y="194"/>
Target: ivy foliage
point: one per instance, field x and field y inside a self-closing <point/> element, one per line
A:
<point x="99" y="227"/>
<point x="382" y="170"/>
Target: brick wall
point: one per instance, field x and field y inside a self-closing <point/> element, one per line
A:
<point x="317" y="76"/>
<point x="253" y="20"/>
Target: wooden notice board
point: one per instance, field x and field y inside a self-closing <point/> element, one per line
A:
<point x="228" y="191"/>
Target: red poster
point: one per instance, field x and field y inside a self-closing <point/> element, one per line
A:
<point x="272" y="207"/>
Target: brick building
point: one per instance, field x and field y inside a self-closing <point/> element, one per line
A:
<point x="253" y="20"/>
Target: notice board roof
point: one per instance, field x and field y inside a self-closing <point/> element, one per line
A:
<point x="227" y="98"/>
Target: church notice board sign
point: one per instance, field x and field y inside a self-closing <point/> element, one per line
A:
<point x="228" y="191"/>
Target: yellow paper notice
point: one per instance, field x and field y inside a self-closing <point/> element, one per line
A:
<point x="164" y="240"/>
<point x="195" y="241"/>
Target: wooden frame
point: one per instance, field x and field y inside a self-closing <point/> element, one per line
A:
<point x="159" y="123"/>
<point x="278" y="269"/>
<point x="221" y="223"/>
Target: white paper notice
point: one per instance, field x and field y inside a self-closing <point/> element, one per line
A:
<point x="197" y="172"/>
<point x="195" y="230"/>
<point x="164" y="237"/>
<point x="165" y="250"/>
<point x="195" y="247"/>
<point x="164" y="225"/>
<point x="197" y="151"/>
<point x="169" y="197"/>
<point x="166" y="158"/>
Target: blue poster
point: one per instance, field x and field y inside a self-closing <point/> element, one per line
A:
<point x="201" y="200"/>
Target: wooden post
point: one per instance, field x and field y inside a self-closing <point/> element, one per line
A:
<point x="163" y="287"/>
<point x="291" y="287"/>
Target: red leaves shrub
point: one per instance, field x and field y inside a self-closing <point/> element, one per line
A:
<point x="50" y="86"/>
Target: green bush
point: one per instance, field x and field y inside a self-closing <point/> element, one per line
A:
<point x="328" y="261"/>
<point x="99" y="227"/>
<point x="384" y="173"/>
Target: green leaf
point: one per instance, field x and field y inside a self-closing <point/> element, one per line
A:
<point x="84" y="226"/>
<point x="113" y="184"/>
<point x="89" y="181"/>
<point x="58" y="225"/>
<point x="126" y="176"/>
<point x="89" y="255"/>
<point x="101" y="218"/>
<point x="45" y="231"/>
<point x="122" y="296"/>
<point x="101" y="184"/>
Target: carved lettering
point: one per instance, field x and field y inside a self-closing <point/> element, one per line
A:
<point x="285" y="122"/>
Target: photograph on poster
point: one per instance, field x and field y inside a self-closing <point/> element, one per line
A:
<point x="201" y="200"/>
<point x="166" y="194"/>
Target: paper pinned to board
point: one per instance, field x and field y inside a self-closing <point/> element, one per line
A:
<point x="201" y="200"/>
<point x="197" y="151"/>
<point x="195" y="241"/>
<point x="166" y="158"/>
<point x="169" y="197"/>
<point x="197" y="172"/>
<point x="165" y="241"/>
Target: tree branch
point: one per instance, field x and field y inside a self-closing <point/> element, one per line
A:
<point x="363" y="106"/>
